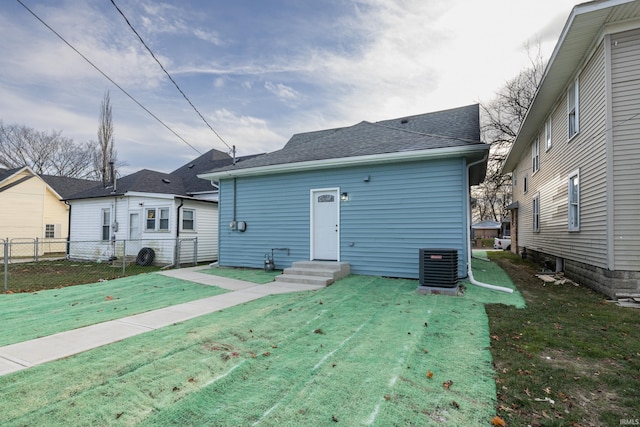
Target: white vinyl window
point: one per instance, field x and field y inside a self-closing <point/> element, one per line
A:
<point x="106" y="224"/>
<point x="525" y="184"/>
<point x="573" y="109"/>
<point x="536" y="213"/>
<point x="157" y="219"/>
<point x="574" y="201"/>
<point x="163" y="214"/>
<point x="188" y="219"/>
<point x="535" y="155"/>
<point x="49" y="231"/>
<point x="548" y="143"/>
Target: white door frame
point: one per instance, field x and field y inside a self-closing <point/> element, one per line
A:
<point x="336" y="190"/>
<point x="133" y="248"/>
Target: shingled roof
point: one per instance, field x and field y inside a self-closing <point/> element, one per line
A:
<point x="181" y="182"/>
<point x="66" y="186"/>
<point x="6" y="173"/>
<point x="212" y="159"/>
<point x="458" y="127"/>
<point x="62" y="185"/>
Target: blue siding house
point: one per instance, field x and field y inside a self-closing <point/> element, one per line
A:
<point x="369" y="195"/>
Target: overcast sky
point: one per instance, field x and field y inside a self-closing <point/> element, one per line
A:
<point x="259" y="71"/>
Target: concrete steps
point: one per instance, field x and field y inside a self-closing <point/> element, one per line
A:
<point x="318" y="273"/>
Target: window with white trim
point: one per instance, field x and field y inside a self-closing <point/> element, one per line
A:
<point x="535" y="212"/>
<point x="574" y="201"/>
<point x="548" y="143"/>
<point x="573" y="109"/>
<point x="49" y="231"/>
<point x="106" y="224"/>
<point x="188" y="219"/>
<point x="535" y="155"/>
<point x="525" y="183"/>
<point x="157" y="219"/>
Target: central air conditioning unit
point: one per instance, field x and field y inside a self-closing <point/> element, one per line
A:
<point x="439" y="268"/>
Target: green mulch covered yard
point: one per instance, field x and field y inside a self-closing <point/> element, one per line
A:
<point x="26" y="316"/>
<point x="364" y="351"/>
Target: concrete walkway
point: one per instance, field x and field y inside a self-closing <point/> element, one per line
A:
<point x="16" y="357"/>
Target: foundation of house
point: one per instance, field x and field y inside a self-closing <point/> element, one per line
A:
<point x="608" y="282"/>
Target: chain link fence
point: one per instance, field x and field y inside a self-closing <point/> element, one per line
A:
<point x="36" y="264"/>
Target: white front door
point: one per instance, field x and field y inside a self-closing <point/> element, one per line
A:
<point x="134" y="244"/>
<point x="325" y="224"/>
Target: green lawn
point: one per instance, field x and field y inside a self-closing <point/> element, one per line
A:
<point x="41" y="275"/>
<point x="26" y="316"/>
<point x="355" y="353"/>
<point x="569" y="359"/>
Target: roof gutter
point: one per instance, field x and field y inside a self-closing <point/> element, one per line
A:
<point x="400" y="156"/>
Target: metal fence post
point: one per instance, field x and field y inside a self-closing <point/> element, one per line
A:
<point x="5" y="245"/>
<point x="124" y="257"/>
<point x="35" y="244"/>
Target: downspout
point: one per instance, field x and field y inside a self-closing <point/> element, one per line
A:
<point x="68" y="251"/>
<point x="234" y="200"/>
<point x="469" y="272"/>
<point x="175" y="249"/>
<point x="178" y="217"/>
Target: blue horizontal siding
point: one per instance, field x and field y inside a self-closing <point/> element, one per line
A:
<point x="403" y="207"/>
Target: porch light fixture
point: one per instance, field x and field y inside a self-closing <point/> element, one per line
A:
<point x="344" y="197"/>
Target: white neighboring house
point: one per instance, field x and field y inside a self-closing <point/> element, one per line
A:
<point x="149" y="209"/>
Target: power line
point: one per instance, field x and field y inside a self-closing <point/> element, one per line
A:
<point x="107" y="77"/>
<point x="167" y="73"/>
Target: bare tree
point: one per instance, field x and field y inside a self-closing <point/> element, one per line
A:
<point x="104" y="152"/>
<point x="501" y="120"/>
<point x="44" y="152"/>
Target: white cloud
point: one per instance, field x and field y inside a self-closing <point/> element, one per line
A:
<point x="285" y="93"/>
<point x="253" y="134"/>
<point x="208" y="36"/>
<point x="419" y="56"/>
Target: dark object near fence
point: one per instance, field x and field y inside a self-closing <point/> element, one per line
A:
<point x="145" y="257"/>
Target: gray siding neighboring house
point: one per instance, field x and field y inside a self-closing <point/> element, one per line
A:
<point x="575" y="160"/>
<point x="371" y="195"/>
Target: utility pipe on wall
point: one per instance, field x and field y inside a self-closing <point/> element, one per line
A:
<point x="469" y="272"/>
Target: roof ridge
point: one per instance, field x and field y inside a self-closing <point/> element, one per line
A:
<point x="455" y="138"/>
